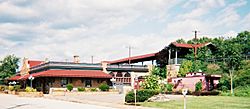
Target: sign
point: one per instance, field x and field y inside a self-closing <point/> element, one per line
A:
<point x="184" y="91"/>
<point x="136" y="83"/>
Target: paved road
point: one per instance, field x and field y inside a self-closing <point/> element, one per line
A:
<point x="15" y="102"/>
<point x="108" y="100"/>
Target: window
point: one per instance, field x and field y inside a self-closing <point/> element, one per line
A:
<point x="88" y="83"/>
<point x="65" y="81"/>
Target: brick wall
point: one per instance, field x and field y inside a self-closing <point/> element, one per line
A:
<point x="57" y="83"/>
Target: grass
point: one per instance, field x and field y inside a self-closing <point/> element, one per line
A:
<point x="204" y="102"/>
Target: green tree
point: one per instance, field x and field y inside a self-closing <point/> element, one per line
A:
<point x="161" y="72"/>
<point x="180" y="41"/>
<point x="186" y="66"/>
<point x="8" y="67"/>
<point x="242" y="77"/>
<point x="243" y="39"/>
<point x="213" y="69"/>
<point x="151" y="82"/>
<point x="162" y="57"/>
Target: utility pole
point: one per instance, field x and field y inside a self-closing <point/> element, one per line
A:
<point x="129" y="53"/>
<point x="195" y="34"/>
<point x="92" y="59"/>
<point x="195" y="43"/>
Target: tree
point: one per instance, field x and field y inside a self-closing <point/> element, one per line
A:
<point x="162" y="58"/>
<point x="243" y="39"/>
<point x="242" y="77"/>
<point x="213" y="69"/>
<point x="161" y="72"/>
<point x="151" y="82"/>
<point x="8" y="67"/>
<point x="180" y="41"/>
<point x="186" y="66"/>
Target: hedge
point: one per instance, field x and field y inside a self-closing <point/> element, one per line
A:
<point x="69" y="87"/>
<point x="141" y="95"/>
<point x="104" y="87"/>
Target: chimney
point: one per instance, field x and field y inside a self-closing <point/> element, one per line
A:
<point x="46" y="60"/>
<point x="76" y="59"/>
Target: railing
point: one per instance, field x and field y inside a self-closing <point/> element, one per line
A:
<point x="123" y="79"/>
<point x="179" y="60"/>
<point x="128" y="66"/>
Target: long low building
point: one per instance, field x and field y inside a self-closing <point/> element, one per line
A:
<point x="51" y="74"/>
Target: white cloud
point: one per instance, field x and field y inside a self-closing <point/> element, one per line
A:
<point x="60" y="29"/>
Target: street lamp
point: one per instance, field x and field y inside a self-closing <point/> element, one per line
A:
<point x="31" y="78"/>
<point x="135" y="86"/>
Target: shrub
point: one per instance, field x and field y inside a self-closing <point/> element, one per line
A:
<point x="69" y="87"/>
<point x="169" y="87"/>
<point x="141" y="95"/>
<point x="17" y="87"/>
<point x="2" y="88"/>
<point x="198" y="86"/>
<point x="225" y="93"/>
<point x="151" y="82"/>
<point x="81" y="89"/>
<point x="29" y="89"/>
<point x="104" y="87"/>
<point x="93" y="89"/>
<point x="243" y="91"/>
<point x="224" y="88"/>
<point x="224" y="84"/>
<point x="11" y="88"/>
<point x="39" y="89"/>
<point x="206" y="93"/>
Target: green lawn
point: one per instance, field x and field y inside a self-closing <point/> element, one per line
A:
<point x="205" y="102"/>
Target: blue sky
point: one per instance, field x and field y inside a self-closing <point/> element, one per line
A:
<point x="59" y="29"/>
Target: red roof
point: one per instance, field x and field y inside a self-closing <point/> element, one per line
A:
<point x="33" y="63"/>
<point x="133" y="58"/>
<point x="189" y="45"/>
<point x="65" y="73"/>
<point x="14" y="78"/>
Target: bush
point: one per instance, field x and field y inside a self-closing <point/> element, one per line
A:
<point x="206" y="93"/>
<point x="29" y="89"/>
<point x="224" y="88"/>
<point x="11" y="88"/>
<point x="81" y="89"/>
<point x="225" y="93"/>
<point x="169" y="87"/>
<point x="198" y="86"/>
<point x="2" y="88"/>
<point x="17" y="87"/>
<point x="151" y="82"/>
<point x="69" y="87"/>
<point x="141" y="95"/>
<point x="224" y="83"/>
<point x="39" y="89"/>
<point x="104" y="87"/>
<point x="243" y="91"/>
<point x="93" y="89"/>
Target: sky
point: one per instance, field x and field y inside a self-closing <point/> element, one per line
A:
<point x="60" y="29"/>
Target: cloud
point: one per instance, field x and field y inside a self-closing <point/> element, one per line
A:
<point x="60" y="29"/>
